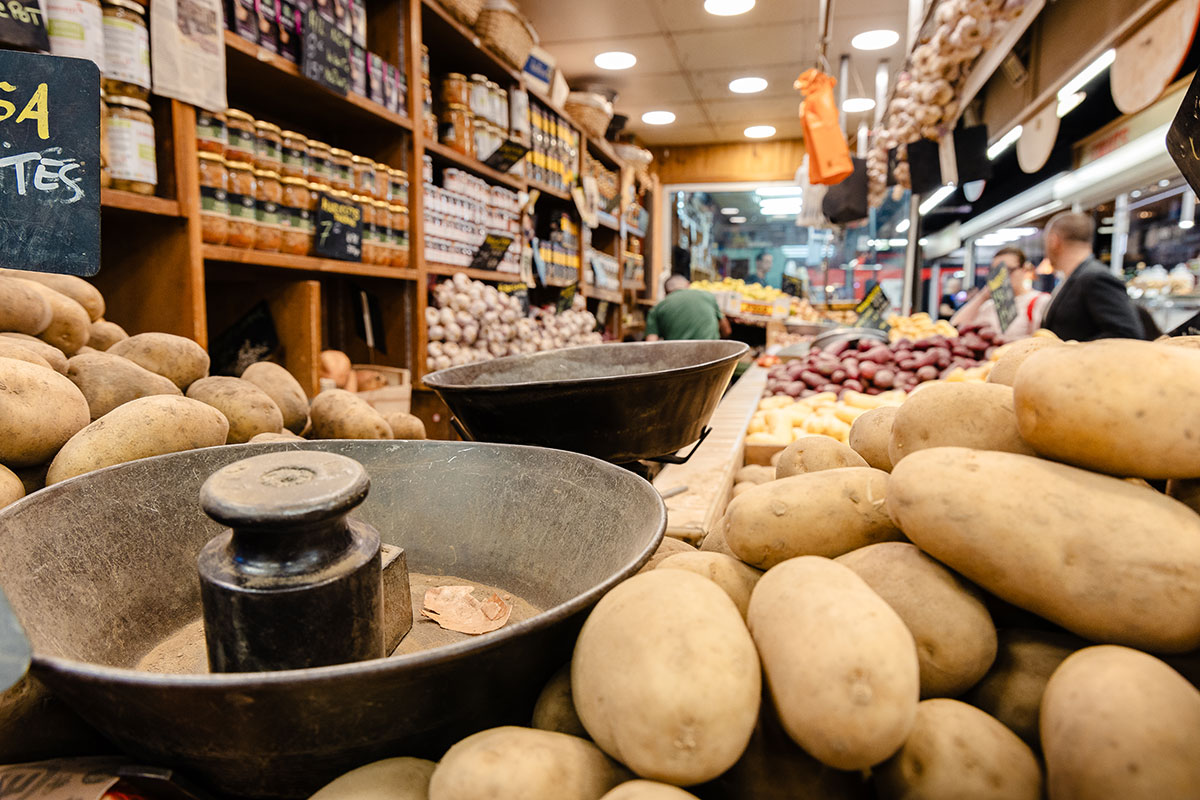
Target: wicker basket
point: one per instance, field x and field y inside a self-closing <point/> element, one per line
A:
<point x="502" y="28"/>
<point x="465" y="11"/>
<point x="589" y="111"/>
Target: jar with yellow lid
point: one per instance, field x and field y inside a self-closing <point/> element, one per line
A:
<point x="397" y="186"/>
<point x="383" y="233"/>
<point x="455" y="129"/>
<point x="214" y="199"/>
<point x="320" y="167"/>
<point x="399" y="235"/>
<point x="456" y="89"/>
<point x="243" y="220"/>
<point x="299" y="202"/>
<point x="211" y="136"/>
<point x="268" y="197"/>
<point x="294" y="155"/>
<point x="132" y="161"/>
<point x="364" y="171"/>
<point x="126" y="49"/>
<point x="268" y="146"/>
<point x="370" y="240"/>
<point x="242" y="137"/>
<point x="342" y="167"/>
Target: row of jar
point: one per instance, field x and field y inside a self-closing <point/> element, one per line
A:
<point x="237" y="136"/>
<point x="244" y="207"/>
<point x="459" y="217"/>
<point x="461" y="254"/>
<point x="479" y="190"/>
<point x="112" y="34"/>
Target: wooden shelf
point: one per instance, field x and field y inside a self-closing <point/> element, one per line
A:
<point x="145" y="204"/>
<point x="273" y="73"/>
<point x="438" y="23"/>
<point x="473" y="166"/>
<point x="611" y="295"/>
<point x="608" y="221"/>
<point x="476" y="274"/>
<point x="637" y="286"/>
<point x="605" y="149"/>
<point x="261" y="258"/>
<point x="545" y="188"/>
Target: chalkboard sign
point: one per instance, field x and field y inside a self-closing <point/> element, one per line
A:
<point x="874" y="309"/>
<point x="519" y="291"/>
<point x="49" y="163"/>
<point x="793" y="286"/>
<point x="252" y="337"/>
<point x="339" y="229"/>
<point x="506" y="156"/>
<point x="1002" y="295"/>
<point x="325" y="56"/>
<point x="567" y="297"/>
<point x="22" y="25"/>
<point x="494" y="246"/>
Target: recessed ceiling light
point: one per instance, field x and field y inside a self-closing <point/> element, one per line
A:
<point x="1135" y="194"/>
<point x="759" y="131"/>
<point x="615" y="59"/>
<point x="658" y="117"/>
<point x="737" y="220"/>
<point x="728" y="8"/>
<point x="856" y="105"/>
<point x="728" y="211"/>
<point x="1164" y="183"/>
<point x="747" y="85"/>
<point x="874" y="40"/>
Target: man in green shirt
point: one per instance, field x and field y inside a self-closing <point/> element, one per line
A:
<point x="685" y="314"/>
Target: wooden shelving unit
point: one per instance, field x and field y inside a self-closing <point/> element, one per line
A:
<point x="545" y="188"/>
<point x="143" y="204"/>
<point x="239" y="255"/>
<point x="474" y="274"/>
<point x="611" y="295"/>
<point x="474" y="166"/>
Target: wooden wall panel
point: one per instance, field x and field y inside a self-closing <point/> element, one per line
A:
<point x="724" y="163"/>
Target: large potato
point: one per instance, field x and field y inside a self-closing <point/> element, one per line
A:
<point x="1179" y="341"/>
<point x="108" y="381"/>
<point x="871" y="434"/>
<point x="734" y="577"/>
<point x="668" y="547"/>
<point x="1101" y="557"/>
<point x="283" y="436"/>
<point x="555" y="707"/>
<point x="12" y="488"/>
<point x="523" y="764"/>
<point x="648" y="790"/>
<point x="23" y="308"/>
<point x="816" y="453"/>
<point x="338" y="414"/>
<point x="940" y="414"/>
<point x="824" y="513"/>
<point x="956" y="640"/>
<point x="39" y="411"/>
<point x="77" y="289"/>
<point x="148" y="426"/>
<point x="53" y="356"/>
<point x="284" y="389"/>
<point x="1117" y="723"/>
<point x="666" y="678"/>
<point x="1118" y="406"/>
<point x="715" y="542"/>
<point x="1004" y="371"/>
<point x="1012" y="690"/>
<point x="175" y="357"/>
<point x="103" y="334"/>
<point x="405" y="426"/>
<point x="249" y="409"/>
<point x="15" y="350"/>
<point x="754" y="473"/>
<point x="389" y="779"/>
<point x="957" y="751"/>
<point x="70" y="324"/>
<point x="840" y="663"/>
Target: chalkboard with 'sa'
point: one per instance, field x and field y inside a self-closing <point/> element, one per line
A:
<point x="567" y="297"/>
<point x="506" y="156"/>
<point x="874" y="309"/>
<point x="339" y="229"/>
<point x="49" y="163"/>
<point x="1002" y="295"/>
<point x="519" y="291"/>
<point x="494" y="246"/>
<point x="325" y="53"/>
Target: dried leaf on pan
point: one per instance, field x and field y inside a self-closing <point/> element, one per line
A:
<point x="455" y="608"/>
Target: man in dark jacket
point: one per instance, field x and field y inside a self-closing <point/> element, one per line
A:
<point x="1091" y="303"/>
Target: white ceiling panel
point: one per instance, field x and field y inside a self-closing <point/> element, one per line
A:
<point x="674" y="134"/>
<point x="560" y="21"/>
<point x="650" y="90"/>
<point x="577" y="59"/>
<point x="759" y="111"/>
<point x="689" y="15"/>
<point x="713" y="84"/>
<point x="738" y="48"/>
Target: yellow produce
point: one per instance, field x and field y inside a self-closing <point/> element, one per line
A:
<point x="919" y="326"/>
<point x="754" y="291"/>
<point x="782" y="420"/>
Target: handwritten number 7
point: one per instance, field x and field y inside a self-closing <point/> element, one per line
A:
<point x="325" y="226"/>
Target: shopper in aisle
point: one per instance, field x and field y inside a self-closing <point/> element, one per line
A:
<point x="953" y="299"/>
<point x="764" y="264"/>
<point x="1091" y="302"/>
<point x="1031" y="305"/>
<point x="685" y="314"/>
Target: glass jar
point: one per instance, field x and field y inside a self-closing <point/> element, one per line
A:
<point x="455" y="90"/>
<point x="397" y="186"/>
<point x="268" y="197"/>
<point x="363" y="170"/>
<point x="295" y="155"/>
<point x="126" y="49"/>
<point x="383" y="233"/>
<point x="370" y="240"/>
<point x="399" y="235"/>
<point x="320" y="168"/>
<point x="343" y="169"/>
<point x="76" y="29"/>
<point x="425" y="62"/>
<point x="214" y="199"/>
<point x="455" y="130"/>
<point x="299" y="202"/>
<point x="268" y="146"/>
<point x="478" y="95"/>
<point x="242" y="137"/>
<point x="210" y="132"/>
<point x="481" y="137"/>
<point x="382" y="181"/>
<point x="132" y="162"/>
<point x="242" y="211"/>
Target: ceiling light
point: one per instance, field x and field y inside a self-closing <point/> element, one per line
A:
<point x="936" y="199"/>
<point x="1164" y="183"/>
<point x="747" y="85"/>
<point x="903" y="226"/>
<point x="857" y="105"/>
<point x="1089" y="72"/>
<point x="728" y="8"/>
<point x="615" y="59"/>
<point x="874" y="40"/>
<point x="1004" y="142"/>
<point x="728" y="211"/>
<point x="658" y="117"/>
<point x="1135" y="194"/>
<point x="759" y="131"/>
<point x="1069" y="103"/>
<point x="780" y="191"/>
<point x="1187" y="213"/>
<point x="737" y="220"/>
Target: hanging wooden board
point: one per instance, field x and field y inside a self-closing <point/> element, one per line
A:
<point x="1148" y="61"/>
<point x="1037" y="139"/>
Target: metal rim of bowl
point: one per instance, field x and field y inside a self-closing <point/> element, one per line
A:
<point x="440" y="386"/>
<point x="423" y="658"/>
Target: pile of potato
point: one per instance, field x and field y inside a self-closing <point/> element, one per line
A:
<point x="992" y="592"/>
<point x="78" y="394"/>
<point x="781" y="419"/>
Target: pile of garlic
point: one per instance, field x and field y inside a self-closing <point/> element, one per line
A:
<point x="472" y="321"/>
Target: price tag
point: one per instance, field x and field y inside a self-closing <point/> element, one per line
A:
<point x="339" y="229"/>
<point x="325" y="55"/>
<point x="874" y="309"/>
<point x="567" y="297"/>
<point x="494" y="246"/>
<point x="49" y="163"/>
<point x="757" y="309"/>
<point x="507" y="155"/>
<point x="21" y="25"/>
<point x="1002" y="295"/>
<point x="793" y="286"/>
<point x="519" y="291"/>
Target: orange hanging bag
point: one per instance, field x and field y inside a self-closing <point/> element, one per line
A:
<point x="828" y="154"/>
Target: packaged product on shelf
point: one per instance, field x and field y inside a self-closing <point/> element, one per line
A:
<point x="242" y="19"/>
<point x="211" y="136"/>
<point x="132" y="158"/>
<point x="266" y="13"/>
<point x="242" y="213"/>
<point x="358" y="23"/>
<point x="320" y="168"/>
<point x="294" y="154"/>
<point x="214" y="198"/>
<point x="341" y="169"/>
<point x="76" y="29"/>
<point x="518" y="115"/>
<point x="341" y="15"/>
<point x="126" y="49"/>
<point x="363" y="176"/>
<point x="427" y="168"/>
<point x="399" y="235"/>
<point x="424" y="62"/>
<point x="370" y="234"/>
<point x="105" y="176"/>
<point x="391" y="88"/>
<point x="375" y="78"/>
<point x="241" y="136"/>
<point x="289" y="30"/>
<point x="455" y="129"/>
<point x="299" y="203"/>
<point x="358" y="71"/>
<point x="268" y="146"/>
<point x="268" y="196"/>
<point x="397" y="191"/>
<point x="457" y="90"/>
<point x="428" y="118"/>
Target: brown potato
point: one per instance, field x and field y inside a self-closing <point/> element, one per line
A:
<point x="754" y="473"/>
<point x="943" y="414"/>
<point x="741" y="488"/>
<point x="1004" y="371"/>
<point x="555" y="707"/>
<point x="735" y="578"/>
<point x="70" y="326"/>
<point x="108" y="381"/>
<point x="715" y="542"/>
<point x="104" y="334"/>
<point x="816" y="453"/>
<point x="668" y="547"/>
<point x="249" y="409"/>
<point x="648" y="790"/>
<point x="1179" y="341"/>
<point x="338" y="414"/>
<point x="405" y="426"/>
<point x="76" y="288"/>
<point x="284" y="389"/>
<point x="23" y="309"/>
<point x="53" y="356"/>
<point x="870" y="435"/>
<point x="16" y="350"/>
<point x="389" y="779"/>
<point x="39" y="411"/>
<point x="283" y="436"/>
<point x="12" y="488"/>
<point x="175" y="357"/>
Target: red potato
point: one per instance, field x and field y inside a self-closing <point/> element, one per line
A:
<point x="851" y="370"/>
<point x="831" y="387"/>
<point x="853" y="385"/>
<point x="873" y="390"/>
<point x="880" y="355"/>
<point x="907" y="364"/>
<point x="827" y="368"/>
<point x="793" y="389"/>
<point x="884" y="378"/>
<point x="838" y="376"/>
<point x="867" y="370"/>
<point x="903" y="344"/>
<point x="812" y="378"/>
<point x="837" y="348"/>
<point x="927" y="373"/>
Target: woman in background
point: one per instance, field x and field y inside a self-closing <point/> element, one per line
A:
<point x="1031" y="305"/>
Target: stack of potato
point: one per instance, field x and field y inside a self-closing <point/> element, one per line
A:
<point x="989" y="593"/>
<point x="78" y="394"/>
